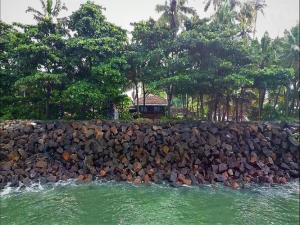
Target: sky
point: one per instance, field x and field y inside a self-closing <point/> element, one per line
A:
<point x="279" y="14"/>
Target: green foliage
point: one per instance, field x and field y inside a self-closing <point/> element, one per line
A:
<point x="78" y="67"/>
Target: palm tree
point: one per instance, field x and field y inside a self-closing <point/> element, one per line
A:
<point x="245" y="18"/>
<point x="218" y="3"/>
<point x="49" y="10"/>
<point x="258" y="6"/>
<point x="174" y="13"/>
<point x="290" y="56"/>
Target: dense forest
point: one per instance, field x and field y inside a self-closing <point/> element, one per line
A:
<point x="78" y="66"/>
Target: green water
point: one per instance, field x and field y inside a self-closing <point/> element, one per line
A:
<point x="112" y="203"/>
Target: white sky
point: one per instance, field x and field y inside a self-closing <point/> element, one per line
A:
<point x="279" y="14"/>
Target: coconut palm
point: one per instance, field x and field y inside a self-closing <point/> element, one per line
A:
<point x="245" y="18"/>
<point x="258" y="6"/>
<point x="218" y="3"/>
<point x="174" y="13"/>
<point x="49" y="10"/>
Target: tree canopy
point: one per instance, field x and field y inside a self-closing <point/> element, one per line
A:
<point x="212" y="68"/>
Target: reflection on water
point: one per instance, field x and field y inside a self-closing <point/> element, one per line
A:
<point x="115" y="203"/>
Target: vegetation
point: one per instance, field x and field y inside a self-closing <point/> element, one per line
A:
<point x="215" y="69"/>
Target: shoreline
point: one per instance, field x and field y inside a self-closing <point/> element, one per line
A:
<point x="192" y="153"/>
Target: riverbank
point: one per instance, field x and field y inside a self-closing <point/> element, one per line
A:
<point x="191" y="153"/>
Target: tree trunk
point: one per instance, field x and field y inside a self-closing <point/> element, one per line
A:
<point x="202" y="106"/>
<point x="236" y="109"/>
<point x="169" y="99"/>
<point x="215" y="108"/>
<point x="137" y="99"/>
<point x="261" y="99"/>
<point x="287" y="95"/>
<point x="210" y="108"/>
<point x="227" y="107"/>
<point x="144" y="94"/>
<point x="254" y="27"/>
<point x="198" y="107"/>
<point x="241" y="104"/>
<point x="276" y="99"/>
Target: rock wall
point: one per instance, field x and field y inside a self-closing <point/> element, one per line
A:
<point x="179" y="153"/>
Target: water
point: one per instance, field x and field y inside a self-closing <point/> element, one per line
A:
<point x="113" y="203"/>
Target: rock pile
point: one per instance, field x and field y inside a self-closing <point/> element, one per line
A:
<point x="179" y="153"/>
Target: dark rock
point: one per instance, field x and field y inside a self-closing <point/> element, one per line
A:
<point x="293" y="141"/>
<point x="222" y="167"/>
<point x="51" y="178"/>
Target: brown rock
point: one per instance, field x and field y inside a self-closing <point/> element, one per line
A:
<point x="137" y="180"/>
<point x="89" y="133"/>
<point x="212" y="140"/>
<point x="103" y="173"/>
<point x="41" y="164"/>
<point x="222" y="167"/>
<point x="270" y="160"/>
<point x="14" y="156"/>
<point x="66" y="156"/>
<point x="51" y="178"/>
<point x="114" y="130"/>
<point x="137" y="166"/>
<point x="253" y="157"/>
<point x="235" y="185"/>
<point x="187" y="182"/>
<point x="166" y="149"/>
<point x="155" y="128"/>
<point x="98" y="133"/>
<point x="5" y="166"/>
<point x="147" y="178"/>
<point x="293" y="141"/>
<point x="129" y="178"/>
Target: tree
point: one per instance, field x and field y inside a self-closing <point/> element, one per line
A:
<point x="217" y="4"/>
<point x="49" y="10"/>
<point x="94" y="59"/>
<point x="258" y="6"/>
<point x="174" y="14"/>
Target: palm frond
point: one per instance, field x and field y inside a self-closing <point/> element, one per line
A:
<point x="49" y="7"/>
<point x="58" y="8"/>
<point x="34" y="11"/>
<point x="43" y="5"/>
<point x="207" y="5"/>
<point x="162" y="8"/>
<point x="188" y="10"/>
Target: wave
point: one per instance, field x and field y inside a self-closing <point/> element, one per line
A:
<point x="285" y="190"/>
